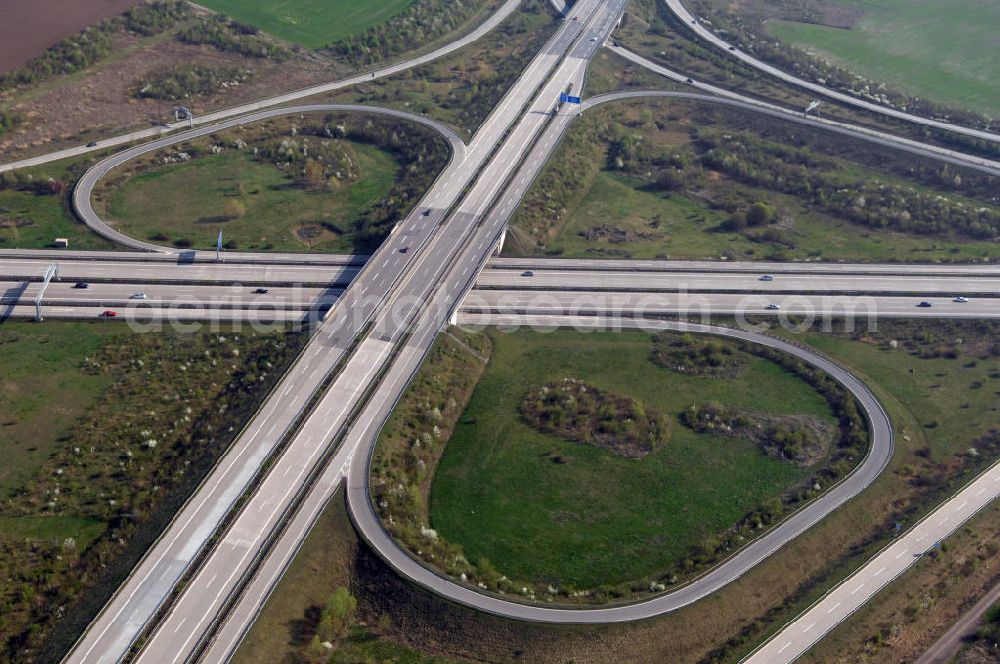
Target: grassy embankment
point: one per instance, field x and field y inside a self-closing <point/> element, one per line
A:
<point x="34" y="212"/>
<point x="462" y="88"/>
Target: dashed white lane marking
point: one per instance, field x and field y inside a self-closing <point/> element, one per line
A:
<point x="854" y="592"/>
<point x="811" y="625"/>
<point x="900" y="554"/>
<point x="833" y="608"/>
<point x="881" y="569"/>
<point x="782" y="649"/>
<point x="959" y="507"/>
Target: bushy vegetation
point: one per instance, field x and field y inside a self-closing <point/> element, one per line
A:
<point x="232" y="36"/>
<point x="414" y="438"/>
<point x="463" y="88"/>
<point x="420" y="23"/>
<point x="989" y="632"/>
<point x="78" y="524"/>
<point x="9" y="120"/>
<point x="802" y="439"/>
<point x="82" y="50"/>
<point x="771" y="188"/>
<point x="698" y="355"/>
<point x="873" y="203"/>
<point x="584" y="414"/>
<point x="186" y="81"/>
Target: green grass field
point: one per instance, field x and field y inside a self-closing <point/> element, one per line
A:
<point x="938" y="50"/>
<point x="186" y="200"/>
<point x="312" y="23"/>
<point x="600" y="518"/>
<point x="44" y="389"/>
<point x="30" y="221"/>
<point x="687" y="228"/>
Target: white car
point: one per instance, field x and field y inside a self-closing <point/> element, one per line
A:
<point x="960" y="299"/>
<point x="767" y="277"/>
<point x="773" y="306"/>
<point x="137" y="296"/>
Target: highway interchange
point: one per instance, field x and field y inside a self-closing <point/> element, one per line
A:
<point x="377" y="319"/>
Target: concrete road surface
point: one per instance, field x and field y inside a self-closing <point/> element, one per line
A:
<point x="388" y="291"/>
<point x="799" y="635"/>
<point x="880" y="451"/>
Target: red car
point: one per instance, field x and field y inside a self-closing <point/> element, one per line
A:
<point x="109" y="314"/>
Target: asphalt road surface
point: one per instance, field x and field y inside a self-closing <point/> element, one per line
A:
<point x="381" y="301"/>
<point x="685" y="17"/>
<point x="209" y="303"/>
<point x="84" y="189"/>
<point x="370" y="344"/>
<point x="882" y="443"/>
<point x="838" y="604"/>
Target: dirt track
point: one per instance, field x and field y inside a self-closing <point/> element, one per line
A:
<point x="31" y="26"/>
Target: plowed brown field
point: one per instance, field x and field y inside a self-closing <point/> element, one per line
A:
<point x="31" y="26"/>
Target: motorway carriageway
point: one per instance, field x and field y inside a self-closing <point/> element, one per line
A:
<point x="547" y="273"/>
<point x="395" y="277"/>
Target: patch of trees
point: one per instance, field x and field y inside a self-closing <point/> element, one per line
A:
<point x="584" y="414"/>
<point x="801" y="439"/>
<point x="84" y="49"/>
<point x="848" y="450"/>
<point x="232" y="36"/>
<point x="417" y="25"/>
<point x="483" y="90"/>
<point x="186" y="81"/>
<point x="698" y="355"/>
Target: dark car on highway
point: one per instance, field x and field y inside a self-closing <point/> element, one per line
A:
<point x="81" y="284"/>
<point x="260" y="291"/>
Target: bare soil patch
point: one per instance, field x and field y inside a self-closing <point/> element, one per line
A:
<point x="102" y="102"/>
